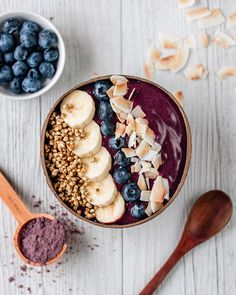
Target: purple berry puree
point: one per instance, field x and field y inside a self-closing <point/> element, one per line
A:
<point x="168" y="124"/>
<point x="42" y="239"/>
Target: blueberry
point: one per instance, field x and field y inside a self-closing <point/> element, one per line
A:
<point x="131" y="192"/>
<point x="11" y="25"/>
<point x="30" y="85"/>
<point x="47" y="70"/>
<point x="47" y="39"/>
<point x="100" y="88"/>
<point x="29" y="26"/>
<point x="15" y="85"/>
<point x="9" y="58"/>
<point x="51" y="55"/>
<point x="20" y="53"/>
<point x="5" y="74"/>
<point x="117" y="143"/>
<point x="34" y="74"/>
<point x="28" y="39"/>
<point x="20" y="68"/>
<point x="35" y="59"/>
<point x="121" y="159"/>
<point x="107" y="128"/>
<point x="138" y="211"/>
<point x="105" y="111"/>
<point x="121" y="175"/>
<point x="7" y="42"/>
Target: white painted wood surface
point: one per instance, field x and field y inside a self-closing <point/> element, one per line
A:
<point x="105" y="36"/>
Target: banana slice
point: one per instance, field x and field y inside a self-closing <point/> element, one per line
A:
<point x="98" y="166"/>
<point x="78" y="109"/>
<point x="91" y="143"/>
<point x="102" y="193"/>
<point x="113" y="212"/>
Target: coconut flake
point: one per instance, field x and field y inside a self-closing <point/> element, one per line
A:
<point x="132" y="140"/>
<point x="155" y="206"/>
<point x="141" y="126"/>
<point x="231" y="21"/>
<point x="223" y="40"/>
<point x="149" y="156"/>
<point x="145" y="195"/>
<point x="122" y="104"/>
<point x="156" y="147"/>
<point x="153" y="55"/>
<point x="165" y="183"/>
<point x="186" y="3"/>
<point x="110" y="92"/>
<point x="145" y="164"/>
<point x="147" y="182"/>
<point x="149" y="136"/>
<point x="141" y="182"/>
<point x="142" y="149"/>
<point x="120" y="129"/>
<point x="129" y="152"/>
<point x="158" y="191"/>
<point x="134" y="160"/>
<point x="165" y="63"/>
<point x="197" y="13"/>
<point x="226" y="72"/>
<point x="216" y="18"/>
<point x="169" y="41"/>
<point x="120" y="90"/>
<point x="196" y="72"/>
<point x="179" y="96"/>
<point x="137" y="112"/>
<point x="190" y="42"/>
<point x="148" y="210"/>
<point x="157" y="161"/>
<point x="136" y="168"/>
<point x="122" y="116"/>
<point x="118" y="80"/>
<point x="152" y="173"/>
<point x="202" y="40"/>
<point x="180" y="59"/>
<point x="131" y="94"/>
<point x="148" y="70"/>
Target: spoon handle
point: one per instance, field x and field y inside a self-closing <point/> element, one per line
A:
<point x="13" y="201"/>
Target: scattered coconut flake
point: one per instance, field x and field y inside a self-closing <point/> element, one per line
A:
<point x="223" y="40"/>
<point x="196" y="72"/>
<point x="155" y="206"/>
<point x="149" y="136"/>
<point x="120" y="90"/>
<point x="186" y="3"/>
<point x="110" y="92"/>
<point x="131" y="94"/>
<point x="148" y="210"/>
<point x="147" y="182"/>
<point x="137" y="112"/>
<point x="157" y="161"/>
<point x="164" y="63"/>
<point x="136" y="168"/>
<point x="134" y="160"/>
<point x="190" y="42"/>
<point x="165" y="183"/>
<point x="156" y="147"/>
<point x="122" y="116"/>
<point x="148" y="70"/>
<point x="152" y="173"/>
<point x="145" y="195"/>
<point x="132" y="140"/>
<point x="141" y="126"/>
<point x="180" y="59"/>
<point x="141" y="182"/>
<point x="142" y="149"/>
<point x="122" y="104"/>
<point x="153" y="55"/>
<point x="169" y="41"/>
<point x="118" y="80"/>
<point x="231" y="21"/>
<point x="129" y="152"/>
<point x="216" y="18"/>
<point x="226" y="72"/>
<point x="179" y="96"/>
<point x="158" y="191"/>
<point x="202" y="40"/>
<point x="131" y="121"/>
<point x="120" y="129"/>
<point x="197" y="13"/>
<point x="115" y="109"/>
<point x="129" y="130"/>
<point x="145" y="164"/>
<point x="149" y="156"/>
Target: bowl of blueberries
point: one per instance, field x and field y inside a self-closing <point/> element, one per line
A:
<point x="32" y="55"/>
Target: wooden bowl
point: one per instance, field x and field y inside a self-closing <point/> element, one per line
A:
<point x="185" y="169"/>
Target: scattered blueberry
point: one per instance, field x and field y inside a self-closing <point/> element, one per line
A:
<point x="20" y="53"/>
<point x="20" y="68"/>
<point x="121" y="175"/>
<point x="51" y="55"/>
<point x="7" y="42"/>
<point x="34" y="74"/>
<point x="47" y="69"/>
<point x="47" y="39"/>
<point x="28" y="39"/>
<point x="121" y="159"/>
<point x="30" y="85"/>
<point x="35" y="59"/>
<point x="107" y="128"/>
<point x="5" y="74"/>
<point x="9" y="58"/>
<point x="29" y="26"/>
<point x="11" y="26"/>
<point x="131" y="192"/>
<point x="138" y="210"/>
<point x="15" y="85"/>
<point x="117" y="143"/>
<point x="100" y="88"/>
<point x="105" y="111"/>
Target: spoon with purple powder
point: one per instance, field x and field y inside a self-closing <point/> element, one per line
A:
<point x="40" y="239"/>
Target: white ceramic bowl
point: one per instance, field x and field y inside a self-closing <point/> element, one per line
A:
<point x="45" y="24"/>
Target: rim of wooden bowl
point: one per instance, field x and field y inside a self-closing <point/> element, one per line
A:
<point x="186" y="166"/>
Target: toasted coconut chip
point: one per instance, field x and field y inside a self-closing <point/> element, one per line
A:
<point x="132" y="140"/>
<point x="129" y="130"/>
<point x="131" y="121"/>
<point x="156" y="206"/>
<point x="148" y="210"/>
<point x="120" y="90"/>
<point x="147" y="182"/>
<point x="141" y="182"/>
<point x="140" y="127"/>
<point x="180" y="59"/>
<point x="186" y="3"/>
<point x="169" y="41"/>
<point x="134" y="160"/>
<point x="145" y="195"/>
<point x="149" y="136"/>
<point x="157" y="161"/>
<point x="226" y="72"/>
<point x="145" y="164"/>
<point x="190" y="42"/>
<point x="110" y="92"/>
<point x="197" y="13"/>
<point x="179" y="96"/>
<point x="120" y="130"/>
<point x="122" y="116"/>
<point x="152" y="173"/>
<point x="137" y="112"/>
<point x="223" y="40"/>
<point x="158" y="191"/>
<point x="156" y="147"/>
<point x="139" y="139"/>
<point x="153" y="55"/>
<point x="164" y="63"/>
<point x="118" y="80"/>
<point x="166" y="186"/>
<point x="142" y="149"/>
<point x="129" y="152"/>
<point x="231" y="20"/>
<point x="136" y="168"/>
<point x="202" y="40"/>
<point x="216" y="18"/>
<point x="196" y="72"/>
<point x="115" y="109"/>
<point x="148" y="70"/>
<point x="149" y="156"/>
<point x="131" y="94"/>
<point x="122" y="104"/>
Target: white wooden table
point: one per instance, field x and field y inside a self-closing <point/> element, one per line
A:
<point x="112" y="36"/>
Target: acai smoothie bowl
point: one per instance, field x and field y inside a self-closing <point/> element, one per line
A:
<point x="116" y="150"/>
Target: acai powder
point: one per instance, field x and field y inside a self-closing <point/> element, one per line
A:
<point x="42" y="239"/>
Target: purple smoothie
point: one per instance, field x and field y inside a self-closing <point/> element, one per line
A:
<point x="168" y="124"/>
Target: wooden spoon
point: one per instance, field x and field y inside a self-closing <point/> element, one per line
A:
<point x="208" y="216"/>
<point x="22" y="215"/>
